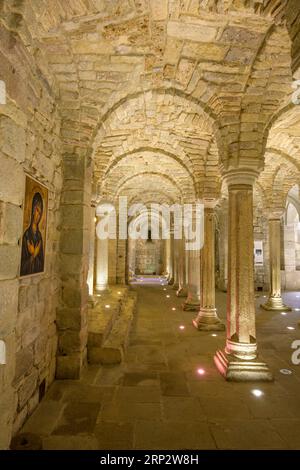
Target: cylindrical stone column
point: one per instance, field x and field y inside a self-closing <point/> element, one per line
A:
<point x="182" y="288"/>
<point x="175" y="264"/>
<point x="192" y="302"/>
<point x="171" y="258"/>
<point x="239" y="360"/>
<point x="207" y="318"/>
<point x="102" y="265"/>
<point x="90" y="279"/>
<point x="275" y="301"/>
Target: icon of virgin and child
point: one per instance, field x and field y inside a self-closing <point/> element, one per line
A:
<point x="34" y="229"/>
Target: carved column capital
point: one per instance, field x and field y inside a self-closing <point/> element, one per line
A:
<point x="240" y="176"/>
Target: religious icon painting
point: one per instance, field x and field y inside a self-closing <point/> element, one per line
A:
<point x="34" y="228"/>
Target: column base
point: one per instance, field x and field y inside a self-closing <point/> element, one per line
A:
<point x="175" y="286"/>
<point x="274" y="304"/>
<point x="238" y="370"/>
<point x="189" y="306"/>
<point x="208" y="320"/>
<point x="93" y="301"/>
<point x="182" y="292"/>
<point x="100" y="288"/>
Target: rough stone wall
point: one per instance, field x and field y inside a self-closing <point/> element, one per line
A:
<point x="149" y="257"/>
<point x="29" y="142"/>
<point x="290" y="276"/>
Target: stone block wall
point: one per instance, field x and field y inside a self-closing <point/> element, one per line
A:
<point x="149" y="257"/>
<point x="29" y="143"/>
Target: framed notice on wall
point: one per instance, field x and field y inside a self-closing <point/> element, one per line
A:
<point x="258" y="253"/>
<point x="34" y="228"/>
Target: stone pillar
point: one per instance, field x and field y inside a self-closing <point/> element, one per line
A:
<point x="71" y="319"/>
<point x="192" y="302"/>
<point x="223" y="246"/>
<point x="102" y="265"/>
<point x="90" y="280"/>
<point x="182" y="287"/>
<point x="175" y="264"/>
<point x="171" y="258"/>
<point x="239" y="361"/>
<point x="275" y="301"/>
<point x="112" y="262"/>
<point x="207" y="318"/>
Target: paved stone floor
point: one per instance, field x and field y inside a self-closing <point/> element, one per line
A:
<point x="157" y="400"/>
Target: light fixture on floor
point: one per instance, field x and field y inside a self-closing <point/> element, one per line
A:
<point x="200" y="371"/>
<point x="173" y="308"/>
<point x="257" y="393"/>
<point x="290" y="328"/>
<point x="167" y="296"/>
<point x="107" y="306"/>
<point x="182" y="327"/>
<point x="214" y="334"/>
<point x="283" y="313"/>
<point x="119" y="293"/>
<point x="285" y="371"/>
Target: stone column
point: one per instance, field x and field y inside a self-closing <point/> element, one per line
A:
<point x="182" y="288"/>
<point x="239" y="361"/>
<point x="223" y="246"/>
<point x="171" y="258"/>
<point x="175" y="264"/>
<point x="90" y="279"/>
<point x="207" y="318"/>
<point x="71" y="318"/>
<point x="192" y="302"/>
<point x="275" y="301"/>
<point x="102" y="265"/>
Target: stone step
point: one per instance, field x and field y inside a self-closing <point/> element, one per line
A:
<point x="101" y="320"/>
<point x="114" y="347"/>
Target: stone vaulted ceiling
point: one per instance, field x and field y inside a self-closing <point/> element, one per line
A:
<point x="160" y="92"/>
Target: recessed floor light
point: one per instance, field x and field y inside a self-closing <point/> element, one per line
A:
<point x="182" y="327"/>
<point x="257" y="393"/>
<point x="201" y="371"/>
<point x="173" y="308"/>
<point x="285" y="371"/>
<point x="290" y="328"/>
<point x="214" y="334"/>
<point x="283" y="313"/>
<point x="167" y="296"/>
<point x="107" y="306"/>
